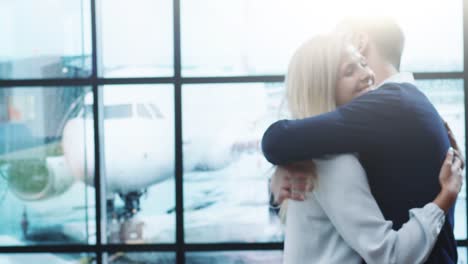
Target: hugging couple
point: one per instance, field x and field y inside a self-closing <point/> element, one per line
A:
<point x="367" y="170"/>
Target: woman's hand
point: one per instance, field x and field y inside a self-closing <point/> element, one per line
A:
<point x="451" y="180"/>
<point x="454" y="144"/>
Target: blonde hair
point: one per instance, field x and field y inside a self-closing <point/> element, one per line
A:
<point x="311" y="80"/>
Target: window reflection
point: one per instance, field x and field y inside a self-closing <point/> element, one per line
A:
<point x="41" y="200"/>
<point x="225" y="174"/>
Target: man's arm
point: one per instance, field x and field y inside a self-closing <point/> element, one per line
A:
<point x="355" y="127"/>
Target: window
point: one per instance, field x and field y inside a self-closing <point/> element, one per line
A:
<point x="225" y="174"/>
<point x="60" y="49"/>
<point x="142" y="143"/>
<point x="139" y="156"/>
<point x="448" y="98"/>
<point x="136" y="38"/>
<point x="43" y="202"/>
<point x="258" y="37"/>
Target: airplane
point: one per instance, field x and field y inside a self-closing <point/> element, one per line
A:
<point x="138" y="148"/>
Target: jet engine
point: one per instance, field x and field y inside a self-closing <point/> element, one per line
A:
<point x="38" y="179"/>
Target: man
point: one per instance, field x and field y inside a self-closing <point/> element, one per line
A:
<point x="397" y="132"/>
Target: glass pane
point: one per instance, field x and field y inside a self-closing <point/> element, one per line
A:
<point x="258" y="37"/>
<point x="140" y="163"/>
<point x="41" y="198"/>
<point x="45" y="39"/>
<point x="462" y="255"/>
<point x="48" y="258"/>
<point x="235" y="257"/>
<point x="136" y="38"/>
<point x="225" y="174"/>
<point x="434" y="41"/>
<point x="140" y="258"/>
<point x="448" y="98"/>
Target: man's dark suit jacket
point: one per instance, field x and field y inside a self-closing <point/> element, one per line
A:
<point x="401" y="141"/>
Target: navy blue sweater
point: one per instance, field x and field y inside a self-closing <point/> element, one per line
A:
<point x="401" y="141"/>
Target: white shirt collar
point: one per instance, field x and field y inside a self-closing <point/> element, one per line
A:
<point x="401" y="77"/>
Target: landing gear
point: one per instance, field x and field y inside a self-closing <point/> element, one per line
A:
<point x="132" y="204"/>
<point x="124" y="225"/>
<point x="25" y="223"/>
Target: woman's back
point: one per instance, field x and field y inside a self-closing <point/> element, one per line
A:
<point x="310" y="235"/>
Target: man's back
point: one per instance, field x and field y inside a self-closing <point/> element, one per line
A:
<point x="403" y="171"/>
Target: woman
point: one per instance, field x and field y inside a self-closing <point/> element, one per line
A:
<point x="324" y="73"/>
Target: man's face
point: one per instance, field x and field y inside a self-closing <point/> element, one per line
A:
<point x="354" y="76"/>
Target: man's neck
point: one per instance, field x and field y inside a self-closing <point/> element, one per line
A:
<point x="381" y="67"/>
<point x="383" y="72"/>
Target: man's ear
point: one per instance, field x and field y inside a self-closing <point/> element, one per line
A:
<point x="362" y="43"/>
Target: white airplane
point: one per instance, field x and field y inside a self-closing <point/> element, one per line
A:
<point x="138" y="148"/>
<point x="138" y="142"/>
